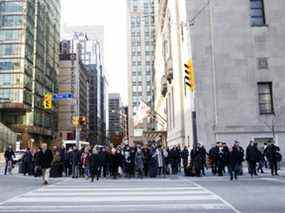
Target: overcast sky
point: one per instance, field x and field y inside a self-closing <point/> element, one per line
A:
<point x="111" y="14"/>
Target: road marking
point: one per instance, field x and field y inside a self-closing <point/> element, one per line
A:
<point x="61" y="189"/>
<point x="219" y="197"/>
<point x="102" y="208"/>
<point x="134" y="193"/>
<point x="112" y="198"/>
<point x="273" y="179"/>
<point x="130" y="196"/>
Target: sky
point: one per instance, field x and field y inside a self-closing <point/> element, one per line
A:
<point x="112" y="15"/>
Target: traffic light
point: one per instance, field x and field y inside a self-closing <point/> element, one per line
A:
<point x="82" y="120"/>
<point x="75" y="121"/>
<point x="47" y="101"/>
<point x="189" y="75"/>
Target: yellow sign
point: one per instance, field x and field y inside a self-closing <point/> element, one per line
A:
<point x="189" y="75"/>
<point x="47" y="101"/>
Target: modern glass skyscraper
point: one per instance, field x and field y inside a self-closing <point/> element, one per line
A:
<point x="29" y="57"/>
<point x="141" y="42"/>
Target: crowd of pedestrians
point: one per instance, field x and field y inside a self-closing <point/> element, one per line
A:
<point x="94" y="162"/>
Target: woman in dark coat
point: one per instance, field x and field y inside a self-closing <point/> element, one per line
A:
<point x="139" y="163"/>
<point x="95" y="163"/>
<point x="27" y="162"/>
<point x="56" y="166"/>
<point x="235" y="159"/>
<point x="153" y="164"/>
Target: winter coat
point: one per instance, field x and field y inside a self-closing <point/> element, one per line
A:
<point x="235" y="157"/>
<point x="139" y="161"/>
<point x="185" y="154"/>
<point x="271" y="152"/>
<point x="75" y="157"/>
<point x="9" y="154"/>
<point x="45" y="159"/>
<point x="27" y="158"/>
<point x="95" y="163"/>
<point x="252" y="154"/>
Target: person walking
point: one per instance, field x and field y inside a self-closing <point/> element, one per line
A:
<point x="235" y="159"/>
<point x="196" y="161"/>
<point x="146" y="160"/>
<point x="153" y="163"/>
<point x="85" y="160"/>
<point x="273" y="156"/>
<point x="213" y="158"/>
<point x="27" y="161"/>
<point x="56" y="165"/>
<point x="45" y="158"/>
<point x="160" y="160"/>
<point x="75" y="160"/>
<point x="104" y="161"/>
<point x="9" y="154"/>
<point x="139" y="163"/>
<point x="185" y="156"/>
<point x="252" y="158"/>
<point x="95" y="165"/>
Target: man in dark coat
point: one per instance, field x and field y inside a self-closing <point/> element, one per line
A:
<point x="75" y="160"/>
<point x="153" y="164"/>
<point x="27" y="161"/>
<point x="235" y="159"/>
<point x="273" y="156"/>
<point x="104" y="158"/>
<point x="185" y="156"/>
<point x="213" y="156"/>
<point x="95" y="163"/>
<point x="45" y="158"/>
<point x="196" y="160"/>
<point x="9" y="154"/>
<point x="252" y="157"/>
<point x="146" y="160"/>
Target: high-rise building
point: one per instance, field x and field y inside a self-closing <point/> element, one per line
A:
<point x="141" y="42"/>
<point x="91" y="40"/>
<point x="73" y="81"/>
<point x="115" y="105"/>
<point x="29" y="52"/>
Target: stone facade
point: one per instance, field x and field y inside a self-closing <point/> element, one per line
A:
<point x="230" y="57"/>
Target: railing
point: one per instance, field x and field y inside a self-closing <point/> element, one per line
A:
<point x="7" y="136"/>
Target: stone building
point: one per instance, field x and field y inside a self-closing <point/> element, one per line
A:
<point x="238" y="53"/>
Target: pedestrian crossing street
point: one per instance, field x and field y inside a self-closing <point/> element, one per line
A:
<point x="125" y="195"/>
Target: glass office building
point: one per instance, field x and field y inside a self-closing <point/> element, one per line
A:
<point x="29" y="57"/>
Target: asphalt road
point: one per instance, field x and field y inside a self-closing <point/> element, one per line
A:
<point x="203" y="195"/>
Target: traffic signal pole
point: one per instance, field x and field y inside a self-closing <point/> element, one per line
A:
<point x="194" y="122"/>
<point x="77" y="74"/>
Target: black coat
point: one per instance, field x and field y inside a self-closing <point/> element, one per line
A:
<point x="252" y="154"/>
<point x="95" y="163"/>
<point x="9" y="154"/>
<point x="75" y="157"/>
<point x="271" y="152"/>
<point x="45" y="159"/>
<point x="235" y="157"/>
<point x="185" y="154"/>
<point x="27" y="158"/>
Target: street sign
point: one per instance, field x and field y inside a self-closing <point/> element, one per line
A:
<point x="63" y="96"/>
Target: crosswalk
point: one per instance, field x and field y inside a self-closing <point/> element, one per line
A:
<point x="147" y="195"/>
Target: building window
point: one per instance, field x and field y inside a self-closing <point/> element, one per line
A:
<point x="265" y="98"/>
<point x="257" y="15"/>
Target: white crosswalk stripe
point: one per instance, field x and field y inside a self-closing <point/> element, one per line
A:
<point x="118" y="196"/>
